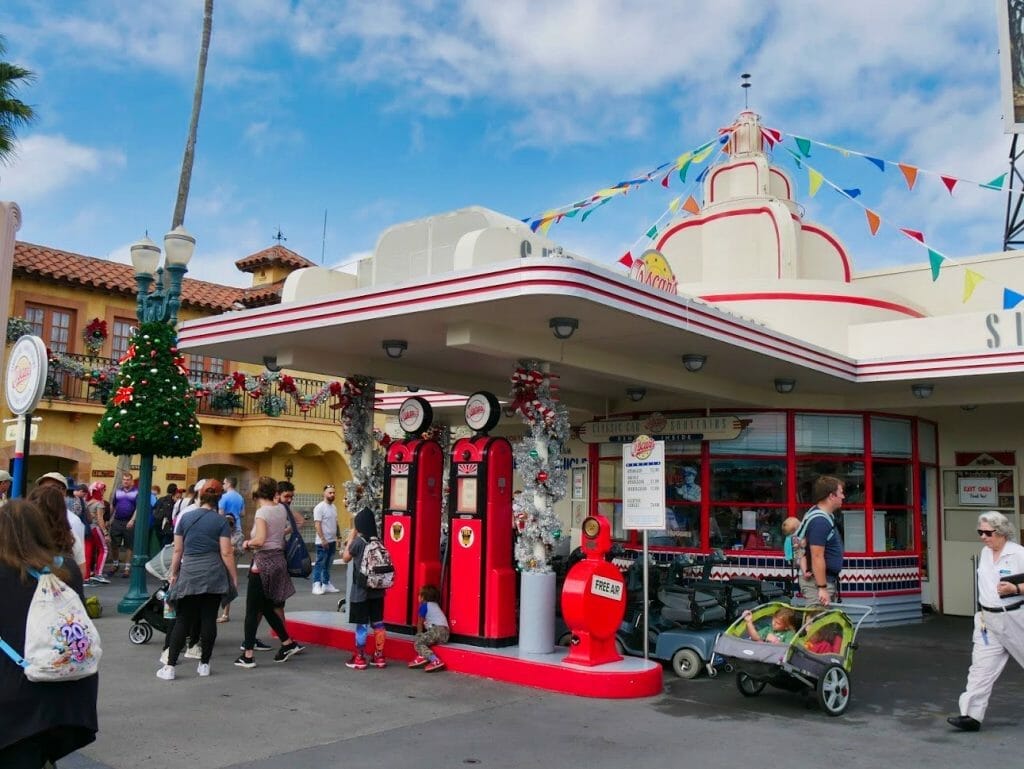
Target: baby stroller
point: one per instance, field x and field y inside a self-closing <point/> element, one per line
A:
<point x="795" y="667"/>
<point x="150" y="615"/>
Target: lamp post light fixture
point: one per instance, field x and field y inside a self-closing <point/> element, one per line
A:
<point x="922" y="389"/>
<point x="160" y="306"/>
<point x="563" y="328"/>
<point x="289" y="469"/>
<point x="394" y="347"/>
<point x="694" y="362"/>
<point x="784" y="385"/>
<point x="636" y="394"/>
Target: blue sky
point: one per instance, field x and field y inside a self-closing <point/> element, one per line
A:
<point x="385" y="111"/>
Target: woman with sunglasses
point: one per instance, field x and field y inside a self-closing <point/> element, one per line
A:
<point x="999" y="622"/>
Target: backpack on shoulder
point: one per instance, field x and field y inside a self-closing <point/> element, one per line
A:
<point x="61" y="642"/>
<point x="376" y="567"/>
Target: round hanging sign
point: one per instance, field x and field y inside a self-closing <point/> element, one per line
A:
<point x="482" y="412"/>
<point x="26" y="374"/>
<point x="415" y="415"/>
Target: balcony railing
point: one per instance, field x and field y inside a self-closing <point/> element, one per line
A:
<point x="98" y="386"/>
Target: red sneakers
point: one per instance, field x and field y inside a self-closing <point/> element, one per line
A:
<point x="358" y="662"/>
<point x="378" y="660"/>
<point x="418" y="662"/>
<point x="435" y="664"/>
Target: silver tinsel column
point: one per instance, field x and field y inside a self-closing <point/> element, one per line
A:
<point x="538" y="457"/>
<point x="365" y="456"/>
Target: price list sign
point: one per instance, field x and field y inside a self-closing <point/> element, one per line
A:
<point x="643" y="484"/>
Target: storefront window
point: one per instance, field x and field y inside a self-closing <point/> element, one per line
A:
<point x="829" y="434"/>
<point x="766" y="434"/>
<point x="850" y="472"/>
<point x="747" y="527"/>
<point x="892" y="484"/>
<point x="890" y="437"/>
<point x="927" y="443"/>
<point x="748" y="480"/>
<point x="609" y="479"/>
<point x="682" y="501"/>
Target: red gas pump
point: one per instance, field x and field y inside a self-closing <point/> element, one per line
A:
<point x="412" y="514"/>
<point x="593" y="598"/>
<point x="481" y="590"/>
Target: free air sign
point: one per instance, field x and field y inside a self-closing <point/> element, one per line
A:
<point x="978" y="491"/>
<point x="643" y="484"/>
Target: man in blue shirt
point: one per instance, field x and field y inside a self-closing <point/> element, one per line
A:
<point x="819" y="581"/>
<point x="231" y="502"/>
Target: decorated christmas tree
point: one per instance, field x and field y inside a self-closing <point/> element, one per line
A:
<point x="152" y="409"/>
<point x="539" y="462"/>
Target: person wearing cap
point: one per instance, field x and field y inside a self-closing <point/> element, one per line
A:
<point x="5" y="485"/>
<point x="122" y="524"/>
<point x="96" y="545"/>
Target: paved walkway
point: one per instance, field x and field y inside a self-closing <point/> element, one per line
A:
<point x="312" y="712"/>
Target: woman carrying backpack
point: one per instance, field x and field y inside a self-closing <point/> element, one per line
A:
<point x="366" y="605"/>
<point x="41" y="721"/>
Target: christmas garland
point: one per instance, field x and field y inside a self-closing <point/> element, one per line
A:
<point x="538" y="458"/>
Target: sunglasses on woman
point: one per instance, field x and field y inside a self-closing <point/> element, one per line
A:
<point x="985" y="532"/>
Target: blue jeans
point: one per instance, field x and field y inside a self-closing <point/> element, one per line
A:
<point x="324" y="559"/>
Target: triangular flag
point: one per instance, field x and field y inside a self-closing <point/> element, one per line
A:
<point x="879" y="163"/>
<point x="683" y="158"/>
<point x="814" y="181"/>
<point x="768" y="137"/>
<point x="852" y="192"/>
<point x="971" y="281"/>
<point x="774" y="133"/>
<point x="1011" y="299"/>
<point x="804" y="145"/>
<point x="909" y="173"/>
<point x="535" y="224"/>
<point x="651" y="233"/>
<point x="936" y="260"/>
<point x="702" y="174"/>
<point x="683" y="168"/>
<point x="664" y="182"/>
<point x="950" y="183"/>
<point x="546" y="225"/>
<point x="997" y="183"/>
<point x="674" y="204"/>
<point x="873" y="220"/>
<point x="701" y="156"/>
<point x="691" y="205"/>
<point x="919" y="237"/>
<point x="572" y="214"/>
<point x="626" y="259"/>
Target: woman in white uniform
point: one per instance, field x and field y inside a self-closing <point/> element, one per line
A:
<point x="999" y="623"/>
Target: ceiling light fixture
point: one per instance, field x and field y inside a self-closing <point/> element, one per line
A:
<point x="694" y="362"/>
<point x="636" y="394"/>
<point x="784" y="385"/>
<point x="395" y="347"/>
<point x="563" y="328"/>
<point x="922" y="389"/>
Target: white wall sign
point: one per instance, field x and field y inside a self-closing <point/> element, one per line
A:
<point x="643" y="484"/>
<point x="982" y="492"/>
<point x="26" y="374"/>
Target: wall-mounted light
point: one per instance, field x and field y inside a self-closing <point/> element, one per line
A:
<point x="394" y="347"/>
<point x="694" y="361"/>
<point x="413" y="389"/>
<point x="563" y="328"/>
<point x="636" y="394"/>
<point x="784" y="386"/>
<point x="922" y="389"/>
<point x="270" y="363"/>
<point x="289" y="469"/>
<point x="968" y="407"/>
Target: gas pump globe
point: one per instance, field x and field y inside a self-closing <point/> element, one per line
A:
<point x="593" y="598"/>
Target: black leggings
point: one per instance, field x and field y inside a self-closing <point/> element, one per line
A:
<point x="256" y="603"/>
<point x="193" y="609"/>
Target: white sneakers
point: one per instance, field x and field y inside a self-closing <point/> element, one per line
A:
<point x="329" y="588"/>
<point x="163" y="656"/>
<point x="203" y="670"/>
<point x="318" y="588"/>
<point x="194" y="653"/>
<point x="166" y="673"/>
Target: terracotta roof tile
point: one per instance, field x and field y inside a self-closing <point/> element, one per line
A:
<point x="277" y="254"/>
<point x="71" y="269"/>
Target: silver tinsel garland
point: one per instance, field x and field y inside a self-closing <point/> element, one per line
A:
<point x="538" y="459"/>
<point x="366" y="489"/>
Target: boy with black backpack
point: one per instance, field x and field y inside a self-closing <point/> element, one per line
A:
<point x="366" y="602"/>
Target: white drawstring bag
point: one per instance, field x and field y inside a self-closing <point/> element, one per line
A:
<point x="61" y="642"/>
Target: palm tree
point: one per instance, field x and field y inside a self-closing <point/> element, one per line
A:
<point x="13" y="112"/>
<point x="185" y="180"/>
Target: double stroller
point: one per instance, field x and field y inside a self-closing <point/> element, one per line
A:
<point x="818" y="660"/>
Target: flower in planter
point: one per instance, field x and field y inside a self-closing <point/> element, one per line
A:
<point x="225" y="399"/>
<point x="94" y="335"/>
<point x="17" y="328"/>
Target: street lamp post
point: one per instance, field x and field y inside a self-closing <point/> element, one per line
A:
<point x="159" y="305"/>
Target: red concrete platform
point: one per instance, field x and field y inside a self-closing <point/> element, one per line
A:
<point x="629" y="678"/>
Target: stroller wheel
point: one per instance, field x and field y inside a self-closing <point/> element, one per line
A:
<point x="341" y="604"/>
<point x="748" y="686"/>
<point x="140" y="633"/>
<point x="833" y="690"/>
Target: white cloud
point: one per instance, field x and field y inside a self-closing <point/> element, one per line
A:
<point x="46" y="164"/>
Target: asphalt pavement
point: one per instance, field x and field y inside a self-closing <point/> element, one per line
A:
<point x="312" y="711"/>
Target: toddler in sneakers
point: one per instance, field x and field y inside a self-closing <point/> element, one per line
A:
<point x="431" y="629"/>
